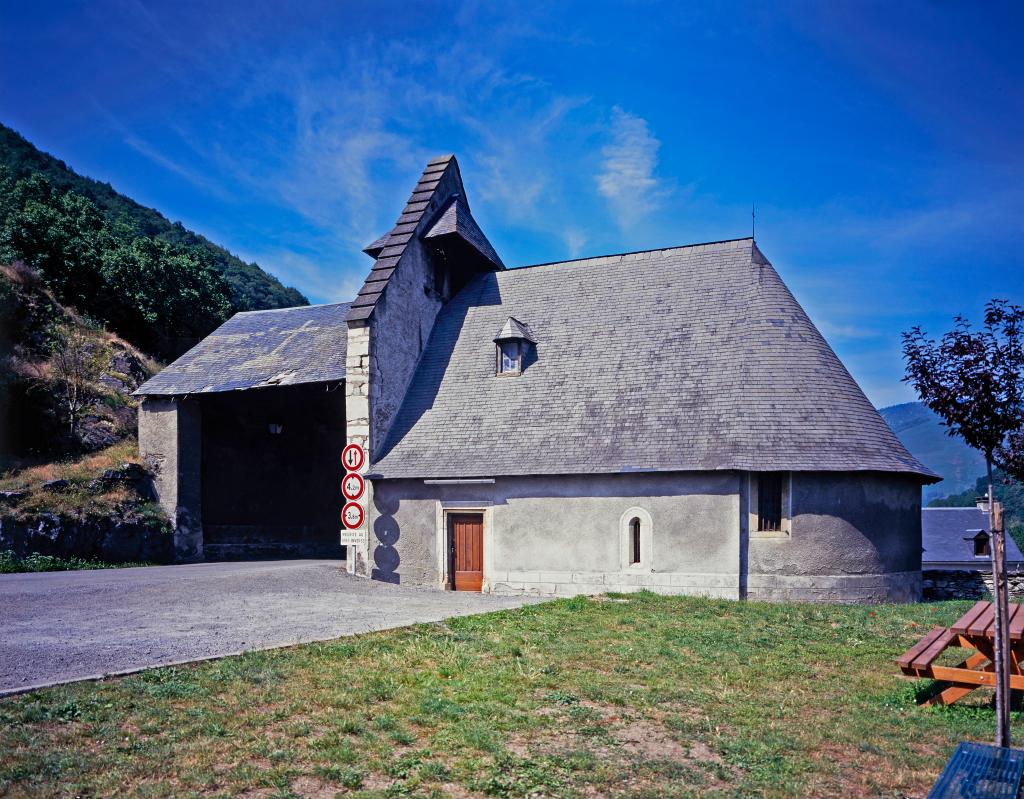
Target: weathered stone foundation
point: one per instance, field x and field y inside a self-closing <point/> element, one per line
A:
<point x="113" y="540"/>
<point x="720" y="586"/>
<point x="864" y="589"/>
<point x="939" y="584"/>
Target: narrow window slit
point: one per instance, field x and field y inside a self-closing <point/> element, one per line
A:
<point x="769" y="502"/>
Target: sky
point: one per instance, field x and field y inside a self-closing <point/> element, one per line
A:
<point x="880" y="143"/>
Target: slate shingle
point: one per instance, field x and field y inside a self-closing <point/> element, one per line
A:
<point x="943" y="534"/>
<point x="392" y="244"/>
<point x="690" y="358"/>
<point x="456" y="220"/>
<point x="285" y="346"/>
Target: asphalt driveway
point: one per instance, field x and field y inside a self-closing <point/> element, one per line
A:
<point x="64" y="626"/>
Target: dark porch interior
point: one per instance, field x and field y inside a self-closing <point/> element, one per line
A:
<point x="271" y="472"/>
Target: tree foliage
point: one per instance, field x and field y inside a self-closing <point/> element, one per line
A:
<point x="974" y="379"/>
<point x="1011" y="456"/>
<point x="159" y="295"/>
<point x="76" y="362"/>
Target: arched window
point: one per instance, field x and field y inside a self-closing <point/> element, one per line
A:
<point x="634" y="541"/>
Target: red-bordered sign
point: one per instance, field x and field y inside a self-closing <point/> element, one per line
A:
<point x="352" y="486"/>
<point x="352" y="516"/>
<point x="353" y="457"/>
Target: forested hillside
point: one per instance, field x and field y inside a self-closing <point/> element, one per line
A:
<point x="154" y="282"/>
<point x="961" y="467"/>
<point x="923" y="434"/>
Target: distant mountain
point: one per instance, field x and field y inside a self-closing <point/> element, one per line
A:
<point x="250" y="287"/>
<point x="923" y="434"/>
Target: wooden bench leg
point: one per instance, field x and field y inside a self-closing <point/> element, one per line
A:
<point x="950" y="695"/>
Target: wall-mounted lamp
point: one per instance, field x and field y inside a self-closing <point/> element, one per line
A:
<point x="275" y="428"/>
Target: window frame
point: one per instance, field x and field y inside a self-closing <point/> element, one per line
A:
<point x="499" y="369"/>
<point x="785" y="530"/>
<point x="626" y="543"/>
<point x="635" y="542"/>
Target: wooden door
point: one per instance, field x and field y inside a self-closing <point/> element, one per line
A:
<point x="467" y="537"/>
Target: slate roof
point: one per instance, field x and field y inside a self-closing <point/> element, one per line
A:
<point x="456" y="220"/>
<point x="405" y="228"/>
<point x="513" y="328"/>
<point x="689" y="358"/>
<point x="943" y="531"/>
<point x="254" y="349"/>
<point x="373" y="249"/>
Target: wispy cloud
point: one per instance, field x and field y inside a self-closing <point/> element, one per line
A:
<point x="197" y="178"/>
<point x="833" y="331"/>
<point x="334" y="133"/>
<point x="575" y="241"/>
<point x="627" y="179"/>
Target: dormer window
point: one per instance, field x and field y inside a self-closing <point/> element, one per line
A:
<point x="514" y="344"/>
<point x="982" y="545"/>
<point x="510" y="358"/>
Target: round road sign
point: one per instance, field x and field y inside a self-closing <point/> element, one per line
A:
<point x="352" y="486"/>
<point x="352" y="516"/>
<point x="353" y="457"/>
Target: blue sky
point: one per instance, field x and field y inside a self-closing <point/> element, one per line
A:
<point x="881" y="142"/>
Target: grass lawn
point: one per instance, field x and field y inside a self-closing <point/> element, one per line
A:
<point x="640" y="696"/>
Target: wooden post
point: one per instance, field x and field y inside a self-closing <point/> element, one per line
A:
<point x="1001" y="606"/>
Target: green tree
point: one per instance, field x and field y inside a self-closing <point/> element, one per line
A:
<point x="974" y="381"/>
<point x="165" y="292"/>
<point x="76" y="363"/>
<point x="250" y="287"/>
<point x="62" y="236"/>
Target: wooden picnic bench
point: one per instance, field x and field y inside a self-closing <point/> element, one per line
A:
<point x="973" y="632"/>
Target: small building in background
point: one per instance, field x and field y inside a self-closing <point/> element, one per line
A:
<point x="956" y="556"/>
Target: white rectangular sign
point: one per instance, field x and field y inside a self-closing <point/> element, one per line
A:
<point x="353" y="538"/>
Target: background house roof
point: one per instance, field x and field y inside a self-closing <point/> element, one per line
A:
<point x="943" y="531"/>
<point x="255" y="349"/>
<point x="690" y="358"/>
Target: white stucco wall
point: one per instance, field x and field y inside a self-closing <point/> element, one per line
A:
<point x="564" y="535"/>
<point x="855" y="537"/>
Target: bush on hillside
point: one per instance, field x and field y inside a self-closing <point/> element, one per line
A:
<point x="36" y="374"/>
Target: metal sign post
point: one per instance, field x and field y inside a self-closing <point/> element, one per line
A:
<point x="353" y="489"/>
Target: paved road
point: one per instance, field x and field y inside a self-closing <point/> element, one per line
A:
<point x="64" y="626"/>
